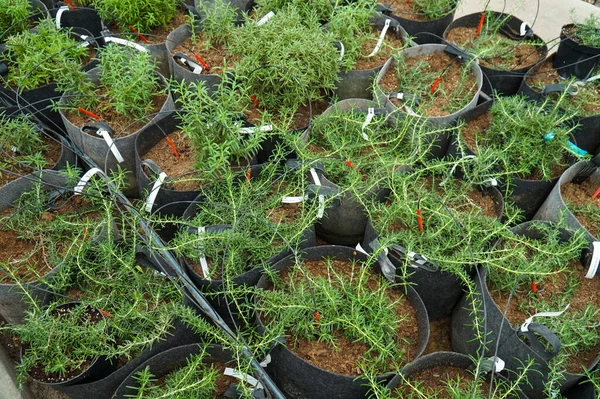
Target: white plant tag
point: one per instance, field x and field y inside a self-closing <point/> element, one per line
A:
<point x="154" y="192"/>
<point x="400" y="96"/>
<point x="381" y="37"/>
<point x="359" y="248"/>
<point x="494" y="364"/>
<point x="594" y="263"/>
<point x="369" y="119"/>
<point x="197" y="67"/>
<point x="342" y="51"/>
<point x="85" y="42"/>
<point x="242" y="377"/>
<point x="523" y="29"/>
<point x="321" y="208"/>
<point x="315" y="177"/>
<point x="203" y="261"/>
<point x="267" y="360"/>
<point x="111" y="144"/>
<point x="85" y="179"/>
<point x="249" y="130"/>
<point x="123" y="42"/>
<point x="266" y="18"/>
<point x="293" y="200"/>
<point x="59" y="14"/>
<point x="528" y="321"/>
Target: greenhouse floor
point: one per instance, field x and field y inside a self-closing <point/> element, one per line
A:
<point x="552" y="15"/>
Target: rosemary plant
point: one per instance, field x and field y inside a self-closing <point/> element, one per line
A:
<point x="14" y="17"/>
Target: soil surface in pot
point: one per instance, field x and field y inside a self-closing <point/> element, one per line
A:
<point x="523" y="304"/>
<point x="37" y="372"/>
<point x="180" y="169"/>
<point x="391" y="44"/>
<point x="475" y="133"/>
<point x="440" y="333"/>
<point x="29" y="257"/>
<point x="51" y="156"/>
<point x="218" y="59"/>
<point x="158" y="35"/>
<point x="123" y="125"/>
<point x="451" y="94"/>
<point x="433" y="382"/>
<point x="523" y="54"/>
<point x="578" y="198"/>
<point x="585" y="102"/>
<point x="345" y="357"/>
<point x="408" y="10"/>
<point x="572" y="32"/>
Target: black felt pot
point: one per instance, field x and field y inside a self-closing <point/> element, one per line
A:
<point x="512" y="348"/>
<point x="168" y="361"/>
<point x="358" y="83"/>
<point x="79" y="17"/>
<point x="439" y="290"/>
<point x="441" y="359"/>
<point x="104" y="388"/>
<point x="573" y="58"/>
<point x="97" y="149"/>
<point x="298" y="378"/>
<point x="506" y="82"/>
<point x="426" y="31"/>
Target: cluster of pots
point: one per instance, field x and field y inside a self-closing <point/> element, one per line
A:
<point x="434" y="295"/>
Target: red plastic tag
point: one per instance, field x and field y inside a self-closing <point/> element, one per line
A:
<point x="534" y="287"/>
<point x="138" y="33"/>
<point x="420" y="220"/>
<point x="435" y="85"/>
<point x="596" y="194"/>
<point x="105" y="313"/>
<point x="248" y="175"/>
<point x="254" y="100"/>
<point x="88" y="113"/>
<point x="201" y="61"/>
<point x="480" y="26"/>
<point x="172" y="146"/>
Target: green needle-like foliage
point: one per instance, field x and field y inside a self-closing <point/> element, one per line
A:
<point x="588" y="32"/>
<point x="303" y="62"/>
<point x="20" y="138"/>
<point x="435" y="9"/>
<point x="42" y="56"/>
<point x="144" y="15"/>
<point x="14" y="17"/>
<point x="218" y="24"/>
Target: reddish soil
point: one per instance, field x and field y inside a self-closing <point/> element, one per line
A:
<point x="474" y="130"/>
<point x="581" y="195"/>
<point x="451" y="84"/>
<point x="440" y="336"/>
<point x="523" y="304"/>
<point x="433" y="381"/>
<point x="345" y="357"/>
<point x="179" y="169"/>
<point x="51" y="156"/>
<point x="524" y="54"/>
<point x="391" y="44"/>
<point x="216" y="57"/>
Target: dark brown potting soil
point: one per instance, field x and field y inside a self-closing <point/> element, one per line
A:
<point x="391" y="44"/>
<point x="433" y="382"/>
<point x="523" y="54"/>
<point x="285" y="213"/>
<point x="179" y="168"/>
<point x="544" y="75"/>
<point x="123" y="125"/>
<point x="440" y="336"/>
<point x="452" y="82"/>
<point x="216" y="57"/>
<point x="51" y="156"/>
<point x="302" y="116"/>
<point x="223" y="381"/>
<point x="581" y="195"/>
<point x="344" y="358"/>
<point x="474" y="130"/>
<point x="523" y="304"/>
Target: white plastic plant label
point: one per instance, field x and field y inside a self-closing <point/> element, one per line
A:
<point x="266" y="18"/>
<point x="342" y="51"/>
<point x="123" y="42"/>
<point x="528" y="321"/>
<point x="243" y="377"/>
<point x="321" y="198"/>
<point x="493" y="363"/>
<point x="203" y="261"/>
<point x="381" y="37"/>
<point x="594" y="263"/>
<point x="154" y="192"/>
<point x="85" y="179"/>
<point x="368" y="120"/>
<point x="197" y="68"/>
<point x="360" y="249"/>
<point x="111" y="144"/>
<point x="250" y="130"/>
<point x="293" y="200"/>
<point x="523" y="28"/>
<point x="59" y="14"/>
